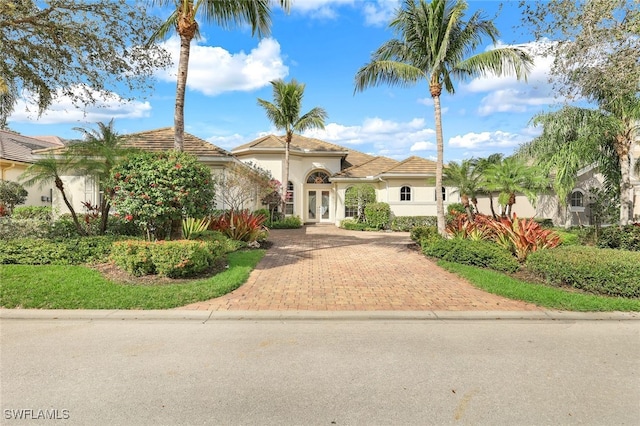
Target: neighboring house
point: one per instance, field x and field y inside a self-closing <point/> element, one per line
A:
<point x="320" y="173"/>
<point x="17" y="153"/>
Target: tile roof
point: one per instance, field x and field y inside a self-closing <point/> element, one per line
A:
<point x="16" y="147"/>
<point x="373" y="167"/>
<point x="301" y="143"/>
<point x="413" y="166"/>
<point x="162" y="140"/>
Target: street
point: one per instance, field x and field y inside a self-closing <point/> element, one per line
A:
<point x="319" y="372"/>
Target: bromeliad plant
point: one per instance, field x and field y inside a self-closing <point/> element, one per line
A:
<point x="191" y="226"/>
<point x="240" y="225"/>
<point x="520" y="236"/>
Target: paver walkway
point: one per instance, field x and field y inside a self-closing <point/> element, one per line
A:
<point x="325" y="268"/>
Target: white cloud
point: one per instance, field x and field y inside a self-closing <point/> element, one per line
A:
<point x="108" y="106"/>
<point x="379" y="136"/>
<point x="213" y="70"/>
<point x="483" y="140"/>
<point x="227" y="142"/>
<point x="322" y="9"/>
<point x="379" y="13"/>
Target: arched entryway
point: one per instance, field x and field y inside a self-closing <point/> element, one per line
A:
<point x="318" y="197"/>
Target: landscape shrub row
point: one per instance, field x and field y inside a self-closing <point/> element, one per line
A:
<point x="288" y="222"/>
<point x="75" y="251"/>
<point x="601" y="271"/>
<point x="622" y="238"/>
<point x="485" y="254"/>
<point x="174" y="259"/>
<point x="407" y="223"/>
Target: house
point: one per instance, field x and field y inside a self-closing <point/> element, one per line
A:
<point x="320" y="173"/>
<point x="17" y="153"/>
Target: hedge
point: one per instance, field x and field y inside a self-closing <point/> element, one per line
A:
<point x="623" y="238"/>
<point x="484" y="254"/>
<point x="407" y="223"/>
<point x="33" y="251"/>
<point x="601" y="271"/>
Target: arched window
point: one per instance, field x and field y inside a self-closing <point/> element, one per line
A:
<point x="318" y="177"/>
<point x="288" y="203"/>
<point x="405" y="193"/>
<point x="577" y="199"/>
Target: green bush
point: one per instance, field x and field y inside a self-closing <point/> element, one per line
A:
<point x="484" y="254"/>
<point x="133" y="256"/>
<point x="352" y="225"/>
<point x="11" y="228"/>
<point x="622" y="238"/>
<point x="221" y="244"/>
<point x="407" y="223"/>
<point x="288" y="222"/>
<point x="420" y="233"/>
<point x="602" y="271"/>
<point x="32" y="212"/>
<point x="377" y="215"/>
<point x="182" y="258"/>
<point x="567" y="238"/>
<point x="32" y="251"/>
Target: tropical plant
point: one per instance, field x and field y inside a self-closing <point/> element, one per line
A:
<point x="157" y="189"/>
<point x="48" y="169"/>
<point x="466" y="179"/>
<point x="284" y="113"/>
<point x="511" y="176"/>
<point x="522" y="236"/>
<point x="183" y="20"/>
<point x="95" y="155"/>
<point x="191" y="226"/>
<point x="433" y="44"/>
<point x="239" y="225"/>
<point x="481" y="165"/>
<point x="12" y="194"/>
<point x="358" y="197"/>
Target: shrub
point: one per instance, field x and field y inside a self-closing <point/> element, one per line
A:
<point x="622" y="238"/>
<point x="32" y="212"/>
<point x="221" y="243"/>
<point x="32" y="251"/>
<point x="602" y="271"/>
<point x="353" y="225"/>
<point x="377" y="215"/>
<point x="421" y="233"/>
<point x="133" y="256"/>
<point x="288" y="222"/>
<point x="407" y="223"/>
<point x="567" y="238"/>
<point x="241" y="226"/>
<point x="11" y="228"/>
<point x="522" y="236"/>
<point x="181" y="258"/>
<point x="484" y="254"/>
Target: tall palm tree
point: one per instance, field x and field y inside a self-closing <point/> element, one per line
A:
<point x="433" y="43"/>
<point x="481" y="165"/>
<point x="95" y="156"/>
<point x="284" y="113"/>
<point x="227" y="14"/>
<point x="512" y="176"/>
<point x="49" y="169"/>
<point x="466" y="178"/>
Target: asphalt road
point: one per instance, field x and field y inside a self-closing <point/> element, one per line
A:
<point x="319" y="372"/>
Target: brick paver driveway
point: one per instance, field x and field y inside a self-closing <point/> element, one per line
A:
<point x="324" y="268"/>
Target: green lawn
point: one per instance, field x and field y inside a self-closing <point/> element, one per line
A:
<point x="80" y="287"/>
<point x="541" y="295"/>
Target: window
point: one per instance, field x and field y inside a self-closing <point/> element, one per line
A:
<point x="577" y="199"/>
<point x="405" y="193"/>
<point x="318" y="177"/>
<point x="288" y="204"/>
<point x="444" y="194"/>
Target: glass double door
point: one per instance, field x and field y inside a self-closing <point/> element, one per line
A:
<point x="317" y="205"/>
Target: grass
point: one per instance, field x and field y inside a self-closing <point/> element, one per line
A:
<point x="80" y="287"/>
<point x="541" y="295"/>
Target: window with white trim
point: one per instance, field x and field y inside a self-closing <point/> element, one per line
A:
<point x="405" y="193"/>
<point x="288" y="203"/>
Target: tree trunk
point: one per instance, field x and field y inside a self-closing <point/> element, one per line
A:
<point x="626" y="204"/>
<point x="74" y="216"/>
<point x="465" y="202"/>
<point x="187" y="28"/>
<point x="493" y="210"/>
<point x="285" y="172"/>
<point x="436" y="90"/>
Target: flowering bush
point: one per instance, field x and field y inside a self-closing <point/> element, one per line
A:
<point x="240" y="226"/>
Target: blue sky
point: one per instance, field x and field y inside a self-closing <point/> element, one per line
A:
<point x="323" y="43"/>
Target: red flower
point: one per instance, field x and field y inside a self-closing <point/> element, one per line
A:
<point x="178" y="166"/>
<point x="128" y="218"/>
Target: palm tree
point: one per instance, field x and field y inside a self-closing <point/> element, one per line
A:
<point x="96" y="155"/>
<point x="466" y="178"/>
<point x="432" y="45"/>
<point x="226" y="13"/>
<point x="284" y="113"/>
<point x="49" y="169"/>
<point x="512" y="176"/>
<point x="481" y="165"/>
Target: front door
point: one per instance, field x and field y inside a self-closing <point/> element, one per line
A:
<point x="317" y="205"/>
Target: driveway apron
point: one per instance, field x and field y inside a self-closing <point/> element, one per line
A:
<point x="325" y="268"/>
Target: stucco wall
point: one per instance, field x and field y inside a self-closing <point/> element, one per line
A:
<point x="34" y="198"/>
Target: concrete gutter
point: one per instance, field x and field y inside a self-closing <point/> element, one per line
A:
<point x="204" y="316"/>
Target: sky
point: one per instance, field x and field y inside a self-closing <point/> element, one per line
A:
<point x="323" y="43"/>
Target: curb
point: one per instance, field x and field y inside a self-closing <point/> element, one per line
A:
<point x="204" y="316"/>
